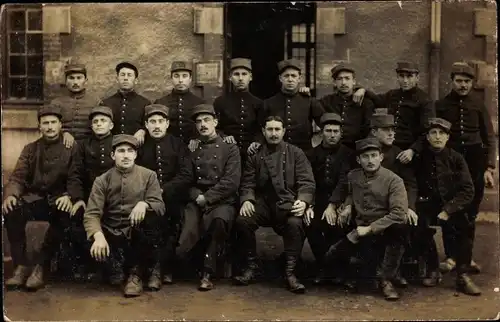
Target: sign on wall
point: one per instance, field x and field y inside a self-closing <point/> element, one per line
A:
<point x="208" y="73"/>
<point x="54" y="71"/>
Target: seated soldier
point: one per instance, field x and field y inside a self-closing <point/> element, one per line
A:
<point x="42" y="187"/>
<point x="276" y="189"/>
<point x="446" y="190"/>
<point x="380" y="204"/>
<point x="216" y="173"/>
<point x="122" y="215"/>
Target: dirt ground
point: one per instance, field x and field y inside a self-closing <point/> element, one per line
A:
<point x="268" y="300"/>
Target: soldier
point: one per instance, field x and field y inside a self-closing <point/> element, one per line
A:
<point x="296" y="109"/>
<point x="181" y="102"/>
<point x="216" y="170"/>
<point x="168" y="156"/>
<point x="42" y="187"/>
<point x="330" y="161"/>
<point x="472" y="136"/>
<point x="75" y="105"/>
<point x="380" y="204"/>
<point x="446" y="190"/>
<point x="276" y="189"/>
<point x="122" y="215"/>
<point x="127" y="105"/>
<point x="239" y="110"/>
<point x="355" y="116"/>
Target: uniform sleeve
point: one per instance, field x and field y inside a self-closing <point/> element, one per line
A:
<point x="95" y="208"/>
<point x="218" y="107"/>
<point x="368" y="109"/>
<point x="398" y="207"/>
<point x="407" y="173"/>
<point x="180" y="183"/>
<point x="74" y="184"/>
<point x="316" y="110"/>
<point x="153" y="195"/>
<point x="306" y="186"/>
<point x="427" y="111"/>
<point x="230" y="181"/>
<point x="18" y="179"/>
<point x="342" y="188"/>
<point x="465" y="193"/>
<point x="488" y="135"/>
<point x="379" y="100"/>
<point x="248" y="181"/>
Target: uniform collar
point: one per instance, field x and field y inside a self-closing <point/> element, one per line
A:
<point x="125" y="171"/>
<point x="334" y="148"/>
<point x="77" y="95"/>
<point x="409" y="92"/>
<point x="269" y="149"/>
<point x="100" y="138"/>
<point x="286" y="94"/>
<point x="176" y="92"/>
<point x="372" y="175"/>
<point x="212" y="140"/>
<point x="52" y="142"/>
<point x="132" y="93"/>
<point x="455" y="97"/>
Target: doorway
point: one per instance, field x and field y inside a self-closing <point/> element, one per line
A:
<point x="267" y="33"/>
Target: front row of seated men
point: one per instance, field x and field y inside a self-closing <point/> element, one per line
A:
<point x="348" y="204"/>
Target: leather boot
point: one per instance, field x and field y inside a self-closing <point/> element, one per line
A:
<point x="293" y="283"/>
<point x="248" y="275"/>
<point x="433" y="279"/>
<point x="19" y="278"/>
<point x="35" y="281"/>
<point x="115" y="269"/>
<point x="206" y="283"/>
<point x="154" y="283"/>
<point x="168" y="278"/>
<point x="447" y="265"/>
<point x="400" y="281"/>
<point x="320" y="277"/>
<point x="474" y="268"/>
<point x="388" y="290"/>
<point x="133" y="287"/>
<point x="467" y="286"/>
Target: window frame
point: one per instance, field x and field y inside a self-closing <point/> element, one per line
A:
<point x="308" y="45"/>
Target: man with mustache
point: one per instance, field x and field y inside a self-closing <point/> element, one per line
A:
<point x="215" y="178"/>
<point x="181" y="102"/>
<point x="168" y="156"/>
<point x="355" y="116"/>
<point x="376" y="206"/>
<point x="446" y="190"/>
<point x="75" y="105"/>
<point x="127" y="104"/>
<point x="330" y="161"/>
<point x="123" y="214"/>
<point x="42" y="187"/>
<point x="276" y="189"/>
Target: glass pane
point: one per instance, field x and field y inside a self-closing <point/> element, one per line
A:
<point x="303" y="30"/>
<point x="17" y="65"/>
<point x="302" y="52"/>
<point x="35" y="66"/>
<point x="313" y="32"/>
<point x="295" y="34"/>
<point x="35" y="88"/>
<point x="17" y="20"/>
<point x="17" y="43"/>
<point x="35" y="20"/>
<point x="35" y="44"/>
<point x="296" y="53"/>
<point x="17" y="88"/>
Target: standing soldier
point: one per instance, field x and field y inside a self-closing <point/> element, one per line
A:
<point x="76" y="105"/>
<point x="276" y="189"/>
<point x="122" y="215"/>
<point x="295" y="109"/>
<point x="330" y="161"/>
<point x="216" y="169"/>
<point x="472" y="135"/>
<point x="168" y="156"/>
<point x="43" y="186"/>
<point x="239" y="110"/>
<point x="181" y="102"/>
<point x="446" y="190"/>
<point x="127" y="105"/>
<point x="355" y="117"/>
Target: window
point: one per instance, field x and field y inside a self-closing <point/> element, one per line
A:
<point x="24" y="54"/>
<point x="299" y="44"/>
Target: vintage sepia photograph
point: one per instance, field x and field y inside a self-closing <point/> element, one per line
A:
<point x="236" y="161"/>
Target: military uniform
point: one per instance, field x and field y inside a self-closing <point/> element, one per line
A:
<point x="238" y="112"/>
<point x="181" y="106"/>
<point x="274" y="178"/>
<point x="76" y="107"/>
<point x="355" y="117"/>
<point x="45" y="171"/>
<point x="296" y="110"/>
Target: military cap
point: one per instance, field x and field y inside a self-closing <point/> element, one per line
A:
<point x="341" y="68"/>
<point x="125" y="138"/>
<point x="288" y="63"/>
<point x="126" y="64"/>
<point x="202" y="108"/>
<point x="181" y="65"/>
<point x="330" y="118"/>
<point x="104" y="110"/>
<point x="462" y="68"/>
<point x="438" y="122"/>
<point x="241" y="63"/>
<point x="404" y="66"/>
<point x="366" y="144"/>
<point x="156" y="109"/>
<point x="75" y="68"/>
<point x="382" y="120"/>
<point x="49" y="109"/>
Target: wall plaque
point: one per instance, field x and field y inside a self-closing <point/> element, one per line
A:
<point x="208" y="73"/>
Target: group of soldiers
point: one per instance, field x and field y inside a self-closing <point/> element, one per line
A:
<point x="137" y="184"/>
